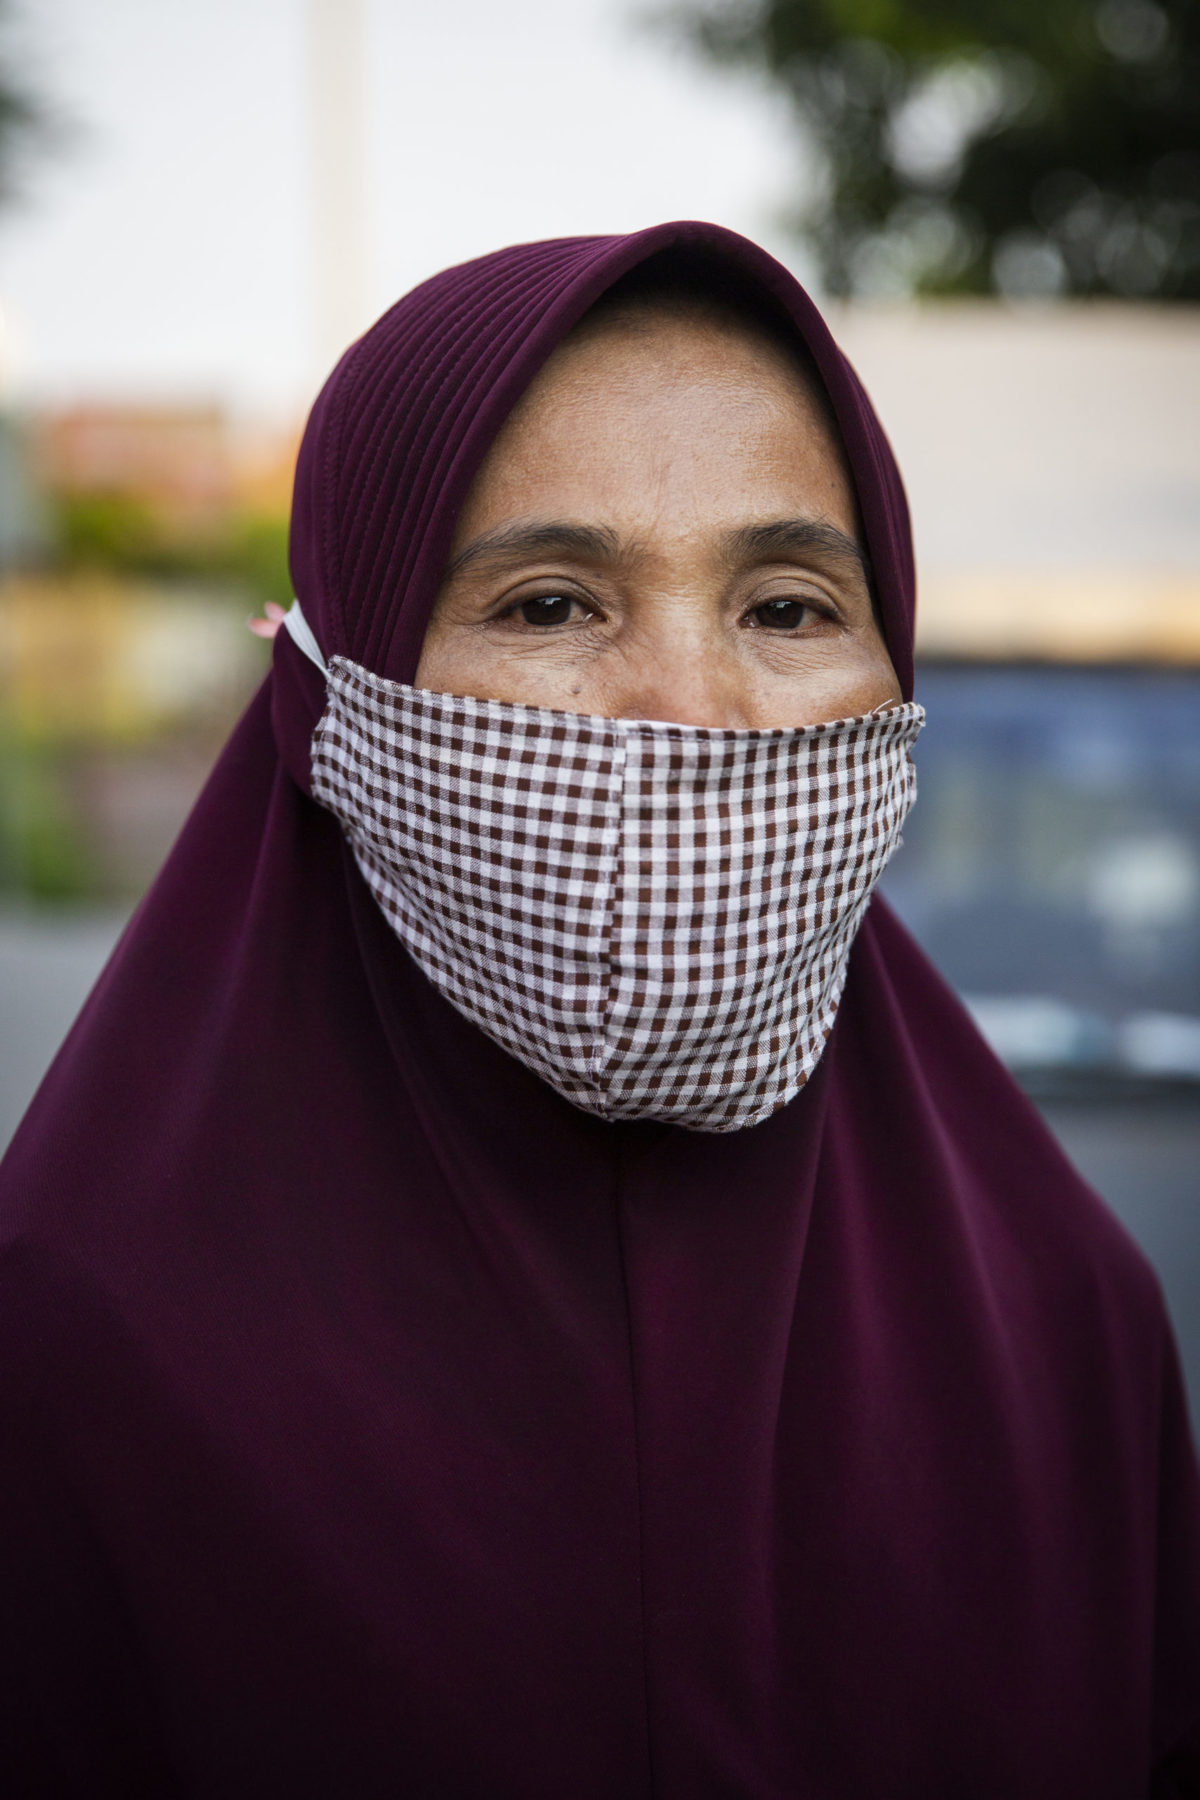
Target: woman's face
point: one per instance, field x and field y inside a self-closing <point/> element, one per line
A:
<point x="664" y="529"/>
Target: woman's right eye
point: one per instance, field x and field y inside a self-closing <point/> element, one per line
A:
<point x="546" y="610"/>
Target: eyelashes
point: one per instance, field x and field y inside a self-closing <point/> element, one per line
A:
<point x="559" y="609"/>
<point x="784" y="615"/>
<point x="545" y="611"/>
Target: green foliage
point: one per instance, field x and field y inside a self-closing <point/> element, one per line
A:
<point x="256" y="557"/>
<point x="983" y="145"/>
<point x="121" y="534"/>
<point x="106" y="531"/>
<point x="44" y="855"/>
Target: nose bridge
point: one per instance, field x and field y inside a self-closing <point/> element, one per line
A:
<point x="680" y="669"/>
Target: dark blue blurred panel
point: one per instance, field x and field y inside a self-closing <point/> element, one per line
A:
<point x="1055" y="847"/>
<point x="1051" y="867"/>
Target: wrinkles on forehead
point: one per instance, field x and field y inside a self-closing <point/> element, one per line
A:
<point x="683" y="288"/>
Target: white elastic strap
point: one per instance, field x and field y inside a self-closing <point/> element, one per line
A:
<point x="301" y="634"/>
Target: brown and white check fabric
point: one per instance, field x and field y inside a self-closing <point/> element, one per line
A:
<point x="654" y="917"/>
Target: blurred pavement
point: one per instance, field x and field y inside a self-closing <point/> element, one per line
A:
<point x="1143" y="1155"/>
<point x="48" y="962"/>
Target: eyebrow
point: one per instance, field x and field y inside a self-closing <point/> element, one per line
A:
<point x="795" y="537"/>
<point x="512" y="543"/>
<point x="776" y="538"/>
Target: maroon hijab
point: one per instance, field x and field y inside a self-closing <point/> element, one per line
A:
<point x="375" y="1423"/>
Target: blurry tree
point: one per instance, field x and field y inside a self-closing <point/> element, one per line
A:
<point x="1025" y="146"/>
<point x="24" y="116"/>
<point x="123" y="534"/>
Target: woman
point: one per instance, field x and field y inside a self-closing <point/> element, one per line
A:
<point x="521" y="1282"/>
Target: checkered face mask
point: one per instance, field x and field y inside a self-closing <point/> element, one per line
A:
<point x="656" y="918"/>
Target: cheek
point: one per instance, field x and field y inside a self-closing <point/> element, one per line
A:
<point x="457" y="660"/>
<point x="877" y="654"/>
<point x="451" y="660"/>
<point x="867" y="664"/>
<point x="868" y="680"/>
<point x="832" y="680"/>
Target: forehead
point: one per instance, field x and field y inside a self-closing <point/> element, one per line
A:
<point x="675" y="406"/>
<point x="717" y="323"/>
<point x="617" y="342"/>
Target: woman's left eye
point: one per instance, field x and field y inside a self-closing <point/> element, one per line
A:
<point x="780" y="615"/>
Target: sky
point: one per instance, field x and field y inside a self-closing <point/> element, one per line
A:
<point x="167" y="248"/>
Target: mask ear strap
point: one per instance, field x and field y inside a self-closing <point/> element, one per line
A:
<point x="301" y="634"/>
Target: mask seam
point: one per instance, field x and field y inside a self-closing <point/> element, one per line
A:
<point x="316" y="744"/>
<point x="606" y="1045"/>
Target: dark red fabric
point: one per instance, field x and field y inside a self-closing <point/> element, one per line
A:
<point x="374" y="1423"/>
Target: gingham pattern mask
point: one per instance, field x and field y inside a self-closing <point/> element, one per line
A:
<point x="654" y="917"/>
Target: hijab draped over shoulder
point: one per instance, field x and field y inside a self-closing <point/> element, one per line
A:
<point x="377" y="1423"/>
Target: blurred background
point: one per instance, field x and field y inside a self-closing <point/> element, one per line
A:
<point x="999" y="206"/>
